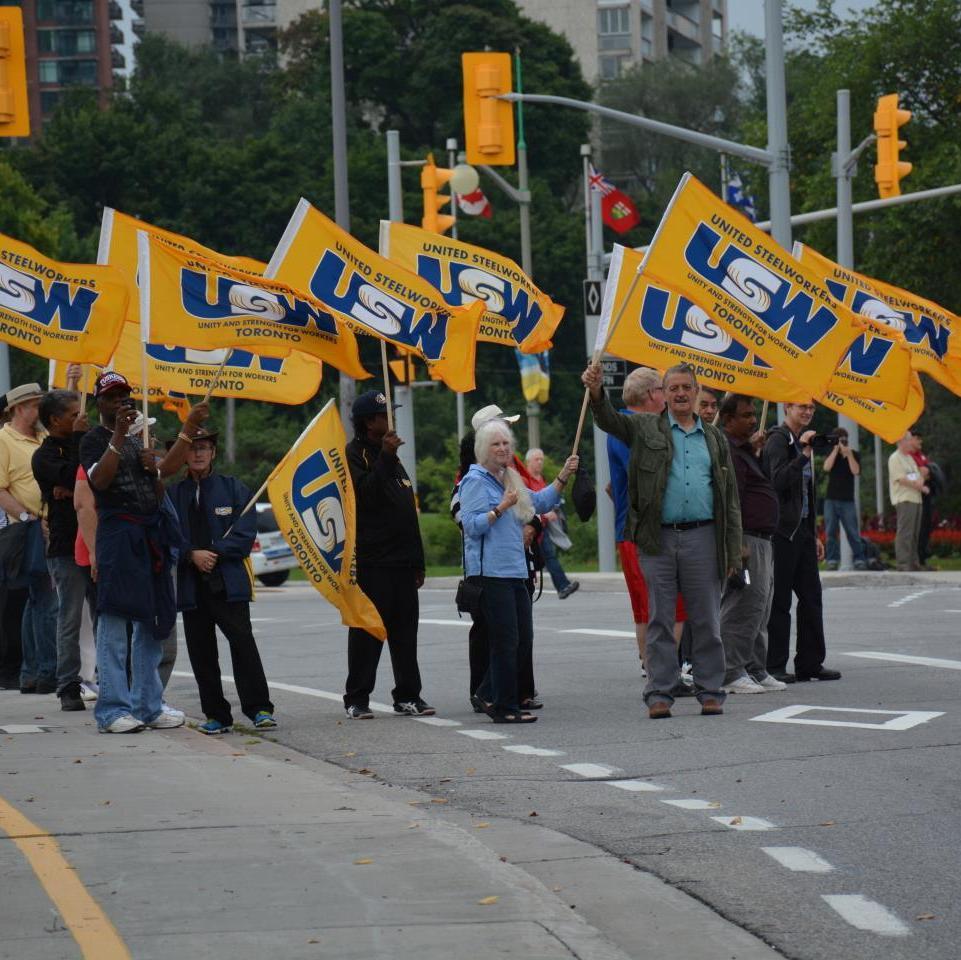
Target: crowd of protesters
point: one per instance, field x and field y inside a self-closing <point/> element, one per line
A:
<point x="716" y="530"/>
<point x="93" y="545"/>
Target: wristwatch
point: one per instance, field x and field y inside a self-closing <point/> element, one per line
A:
<point x="24" y="516"/>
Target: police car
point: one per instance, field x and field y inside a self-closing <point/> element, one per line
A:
<point x="271" y="558"/>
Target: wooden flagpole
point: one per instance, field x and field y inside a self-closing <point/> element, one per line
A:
<point x="386" y="368"/>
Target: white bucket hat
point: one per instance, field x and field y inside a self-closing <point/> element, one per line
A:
<point x="491" y="412"/>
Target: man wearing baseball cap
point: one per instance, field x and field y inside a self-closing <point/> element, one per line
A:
<point x="390" y="562"/>
<point x="133" y="549"/>
<point x="20" y="499"/>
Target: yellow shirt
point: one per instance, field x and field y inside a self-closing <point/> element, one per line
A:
<point x="902" y="466"/>
<point x="16" y="471"/>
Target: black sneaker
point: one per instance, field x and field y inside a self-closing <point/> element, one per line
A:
<point x="46" y="686"/>
<point x="414" y="708"/>
<point x="359" y="713"/>
<point x="572" y="587"/>
<point x="70" y="697"/>
<point x="783" y="676"/>
<point x="479" y="705"/>
<point x="822" y="674"/>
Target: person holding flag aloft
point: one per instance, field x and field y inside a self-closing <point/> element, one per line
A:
<point x="390" y="562"/>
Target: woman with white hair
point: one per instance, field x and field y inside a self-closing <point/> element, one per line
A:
<point x="495" y="505"/>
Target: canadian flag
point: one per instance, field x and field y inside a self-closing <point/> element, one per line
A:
<point x="475" y="204"/>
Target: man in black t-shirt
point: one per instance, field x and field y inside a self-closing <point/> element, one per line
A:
<point x="55" y="469"/>
<point x="842" y="465"/>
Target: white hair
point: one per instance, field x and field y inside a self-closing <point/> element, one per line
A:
<point x="483" y="438"/>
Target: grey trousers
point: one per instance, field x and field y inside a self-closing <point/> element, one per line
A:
<point x="745" y="613"/>
<point x="909" y="531"/>
<point x="687" y="563"/>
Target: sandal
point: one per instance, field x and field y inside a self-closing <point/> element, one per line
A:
<point x="532" y="703"/>
<point x="513" y="717"/>
<point x="479" y="705"/>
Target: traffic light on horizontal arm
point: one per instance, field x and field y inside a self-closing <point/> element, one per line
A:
<point x="432" y="179"/>
<point x="14" y="109"/>
<point x="889" y="169"/>
<point x="488" y="123"/>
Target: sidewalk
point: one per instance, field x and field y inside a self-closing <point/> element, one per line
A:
<point x="239" y="848"/>
<point x="614" y="582"/>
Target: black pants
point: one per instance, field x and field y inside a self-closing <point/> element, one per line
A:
<point x="479" y="653"/>
<point x="213" y="610"/>
<point x="11" y="654"/>
<point x="924" y="538"/>
<point x="507" y="610"/>
<point x="796" y="571"/>
<point x="393" y="591"/>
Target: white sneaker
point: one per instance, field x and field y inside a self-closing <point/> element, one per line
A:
<point x="88" y="691"/>
<point x="743" y="685"/>
<point x="164" y="721"/>
<point x="172" y="711"/>
<point x="769" y="684"/>
<point x="123" y="724"/>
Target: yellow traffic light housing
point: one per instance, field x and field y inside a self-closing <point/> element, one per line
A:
<point x="488" y="123"/>
<point x="14" y="109"/>
<point x="432" y="178"/>
<point x="889" y="169"/>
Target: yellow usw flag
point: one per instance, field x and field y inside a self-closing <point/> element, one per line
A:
<point x="750" y="287"/>
<point x="516" y="313"/>
<point x="658" y="327"/>
<point x="932" y="334"/>
<point x="313" y="500"/>
<point x="886" y="420"/>
<point x="118" y="247"/>
<point x="60" y="311"/>
<point x="206" y="304"/>
<point x="291" y="380"/>
<point x="377" y="296"/>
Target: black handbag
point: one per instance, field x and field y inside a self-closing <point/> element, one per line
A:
<point x="470" y="590"/>
<point x="583" y="495"/>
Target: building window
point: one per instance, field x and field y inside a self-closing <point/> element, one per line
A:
<point x="610" y="67"/>
<point x="67" y="43"/>
<point x="65" y="11"/>
<point x="48" y="101"/>
<point x="48" y="71"/>
<point x="614" y="28"/>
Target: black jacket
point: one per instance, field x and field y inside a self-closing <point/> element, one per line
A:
<point x="388" y="533"/>
<point x="55" y="465"/>
<point x="785" y="466"/>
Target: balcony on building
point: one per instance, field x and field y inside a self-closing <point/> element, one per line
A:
<point x="116" y="35"/>
<point x="137" y="7"/>
<point x="117" y="60"/>
<point x="65" y="13"/>
<point x="116" y="11"/>
<point x="139" y="28"/>
<point x="258" y="15"/>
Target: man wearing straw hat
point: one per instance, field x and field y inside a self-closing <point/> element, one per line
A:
<point x="21" y="500"/>
<point x="134" y="538"/>
<point x="686" y="523"/>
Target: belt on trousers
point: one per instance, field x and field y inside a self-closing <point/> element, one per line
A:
<point x="688" y="525"/>
<point x="761" y="536"/>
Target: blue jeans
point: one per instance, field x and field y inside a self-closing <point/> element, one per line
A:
<point x="553" y="565"/>
<point x="39" y="632"/>
<point x="142" y="696"/>
<point x="74" y="586"/>
<point x="842" y="513"/>
<point x="506" y="605"/>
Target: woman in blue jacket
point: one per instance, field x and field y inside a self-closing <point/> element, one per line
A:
<point x="214" y="586"/>
<point x="495" y="505"/>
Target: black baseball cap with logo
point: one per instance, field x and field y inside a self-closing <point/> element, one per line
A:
<point x="369" y="404"/>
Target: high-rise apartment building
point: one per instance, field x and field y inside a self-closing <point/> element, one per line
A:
<point x="67" y="45"/>
<point x="126" y="29"/>
<point x="610" y="35"/>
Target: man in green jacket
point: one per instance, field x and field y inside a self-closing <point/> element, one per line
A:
<point x="685" y="520"/>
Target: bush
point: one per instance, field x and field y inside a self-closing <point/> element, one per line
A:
<point x="442" y="543"/>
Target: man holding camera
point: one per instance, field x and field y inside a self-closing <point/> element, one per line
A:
<point x="842" y="465"/>
<point x="797" y="550"/>
<point x="746" y="603"/>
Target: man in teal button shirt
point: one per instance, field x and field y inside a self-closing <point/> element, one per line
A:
<point x="685" y="520"/>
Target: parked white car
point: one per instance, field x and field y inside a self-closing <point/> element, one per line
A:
<point x="271" y="558"/>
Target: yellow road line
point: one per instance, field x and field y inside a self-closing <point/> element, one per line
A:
<point x="96" y="936"/>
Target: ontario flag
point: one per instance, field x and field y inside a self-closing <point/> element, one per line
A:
<point x="617" y="208"/>
<point x="475" y="204"/>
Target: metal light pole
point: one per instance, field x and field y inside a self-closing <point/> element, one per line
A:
<point x="845" y="238"/>
<point x="403" y="394"/>
<point x="451" y="163"/>
<point x="595" y="271"/>
<point x="533" y="407"/>
<point x="339" y="131"/>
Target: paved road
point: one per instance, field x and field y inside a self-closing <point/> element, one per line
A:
<point x="830" y="831"/>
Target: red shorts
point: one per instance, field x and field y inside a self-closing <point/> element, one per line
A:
<point x="637" y="588"/>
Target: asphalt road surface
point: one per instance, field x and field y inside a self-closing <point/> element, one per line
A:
<point x="824" y="819"/>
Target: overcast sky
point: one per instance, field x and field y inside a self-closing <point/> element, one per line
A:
<point x="748" y="15"/>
